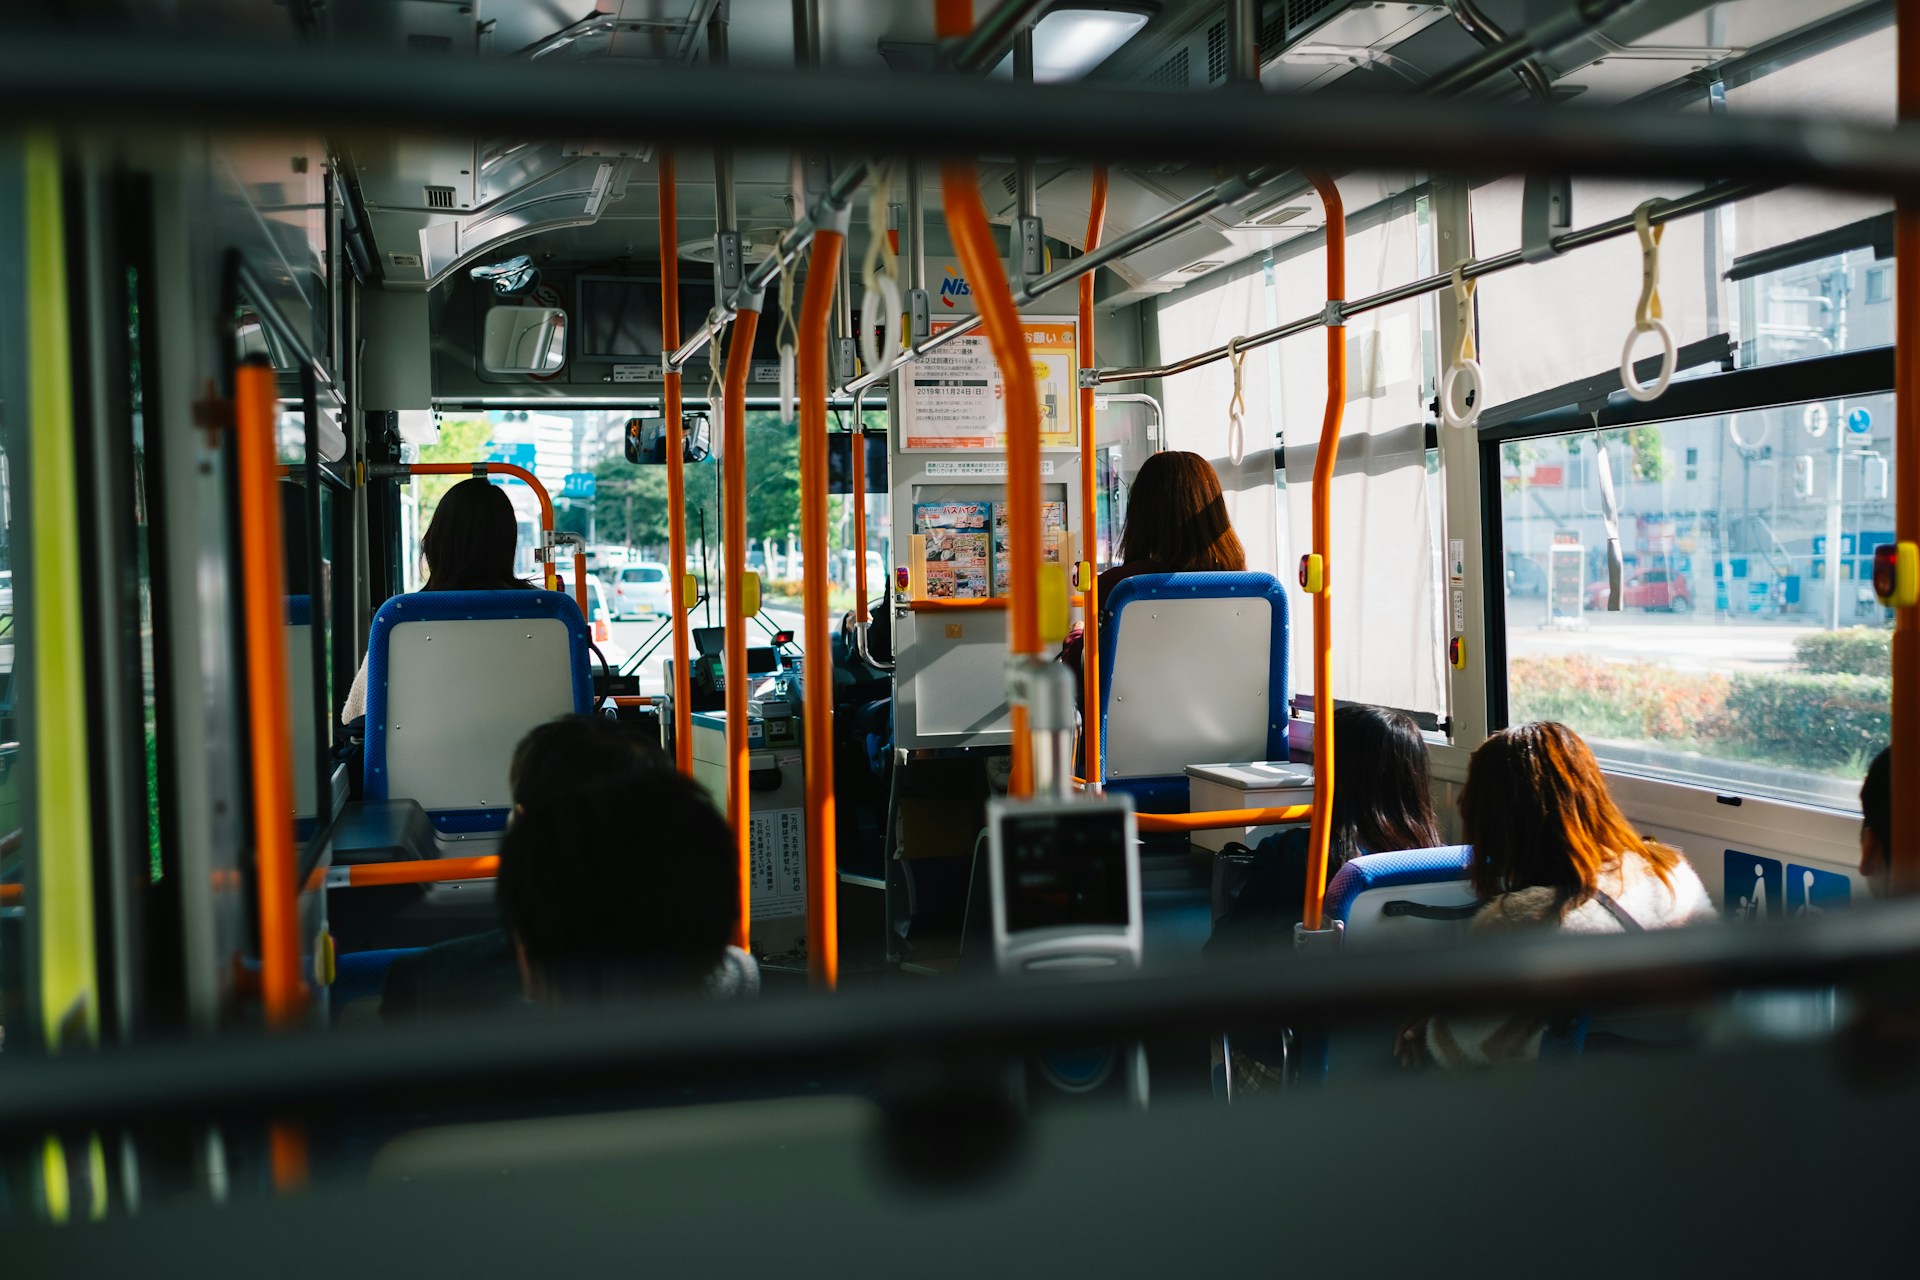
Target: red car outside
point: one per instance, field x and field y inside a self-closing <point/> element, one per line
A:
<point x="1666" y="589"/>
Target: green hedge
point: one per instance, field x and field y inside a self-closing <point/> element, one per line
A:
<point x="1854" y="651"/>
<point x="1810" y="720"/>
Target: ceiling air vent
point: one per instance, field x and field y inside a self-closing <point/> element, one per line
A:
<point x="1171" y="74"/>
<point x="1302" y="12"/>
<point x="429" y="44"/>
<point x="1201" y="268"/>
<point x="440" y="197"/>
<point x="1216" y="53"/>
<point x="1274" y="217"/>
<point x="1011" y="181"/>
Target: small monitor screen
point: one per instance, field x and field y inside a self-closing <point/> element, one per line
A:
<point x="840" y="463"/>
<point x="1061" y="869"/>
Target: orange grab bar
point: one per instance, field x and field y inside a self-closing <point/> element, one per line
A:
<point x="12" y="894"/>
<point x="1089" y="479"/>
<point x="980" y="259"/>
<point x="1904" y="856"/>
<point x="521" y="474"/>
<point x="264" y="610"/>
<point x="1215" y="819"/>
<point x="823" y="864"/>
<point x="859" y="511"/>
<point x="1321" y="835"/>
<point x="985" y="604"/>
<point x="418" y="871"/>
<point x="734" y="518"/>
<point x="676" y="472"/>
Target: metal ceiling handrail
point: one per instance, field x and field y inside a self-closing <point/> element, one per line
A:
<point x="1668" y="211"/>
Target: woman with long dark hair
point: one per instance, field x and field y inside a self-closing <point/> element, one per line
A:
<point x="469" y="546"/>
<point x="1551" y="850"/>
<point x="1383" y="804"/>
<point x="1176" y="523"/>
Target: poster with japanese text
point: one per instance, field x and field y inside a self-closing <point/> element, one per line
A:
<point x="1053" y="528"/>
<point x="959" y="548"/>
<point x="953" y="397"/>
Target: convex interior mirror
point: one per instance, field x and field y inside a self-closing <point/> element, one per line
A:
<point x="647" y="439"/>
<point x="524" y="340"/>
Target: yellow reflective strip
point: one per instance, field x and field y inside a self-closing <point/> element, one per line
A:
<point x="53" y="1181"/>
<point x="62" y="835"/>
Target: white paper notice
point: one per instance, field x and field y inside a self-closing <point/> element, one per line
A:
<point x="779" y="866"/>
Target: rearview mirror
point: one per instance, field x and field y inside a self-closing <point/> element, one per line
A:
<point x="524" y="340"/>
<point x="647" y="439"/>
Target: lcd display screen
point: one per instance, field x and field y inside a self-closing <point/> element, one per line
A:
<point x="840" y="463"/>
<point x="1062" y="870"/>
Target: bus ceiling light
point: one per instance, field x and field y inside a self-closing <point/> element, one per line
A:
<point x="1069" y="43"/>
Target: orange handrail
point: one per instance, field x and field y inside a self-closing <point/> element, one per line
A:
<point x="980" y="260"/>
<point x="264" y="608"/>
<point x="521" y="474"/>
<point x="823" y="862"/>
<point x="1089" y="508"/>
<point x="1904" y="856"/>
<point x="859" y="444"/>
<point x="676" y="471"/>
<point x="734" y="520"/>
<point x="1216" y="819"/>
<point x="1321" y="835"/>
<point x="417" y="871"/>
<point x="12" y="895"/>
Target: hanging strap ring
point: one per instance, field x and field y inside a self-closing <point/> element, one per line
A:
<point x="880" y="343"/>
<point x="1646" y="315"/>
<point x="1462" y="390"/>
<point x="1237" y="407"/>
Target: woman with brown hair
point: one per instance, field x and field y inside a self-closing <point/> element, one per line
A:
<point x="1552" y="850"/>
<point x="1176" y="523"/>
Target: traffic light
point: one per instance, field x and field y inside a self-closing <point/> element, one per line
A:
<point x="1803" y="475"/>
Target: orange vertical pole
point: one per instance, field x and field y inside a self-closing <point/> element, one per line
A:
<point x="980" y="259"/>
<point x="1321" y="835"/>
<point x="823" y="861"/>
<point x="676" y="468"/>
<point x="1089" y="507"/>
<point x="580" y="587"/>
<point x="859" y="447"/>
<point x="1904" y="856"/>
<point x="734" y="524"/>
<point x="264" y="608"/>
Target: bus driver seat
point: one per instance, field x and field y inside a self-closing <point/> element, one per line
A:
<point x="454" y="680"/>
<point x="1193" y="670"/>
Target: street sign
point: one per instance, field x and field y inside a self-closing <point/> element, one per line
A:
<point x="1859" y="421"/>
<point x="1815" y="420"/>
<point x="578" y="484"/>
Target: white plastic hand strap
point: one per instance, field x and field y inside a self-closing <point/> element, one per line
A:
<point x="789" y="343"/>
<point x="1237" y="407"/>
<point x="715" y="417"/>
<point x="1646" y="316"/>
<point x="880" y="273"/>
<point x="1462" y="390"/>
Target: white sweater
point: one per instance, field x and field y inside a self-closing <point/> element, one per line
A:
<point x="1633" y="884"/>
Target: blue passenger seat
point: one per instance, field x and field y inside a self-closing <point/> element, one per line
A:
<point x="1193" y="670"/>
<point x="454" y="680"/>
<point x="359" y="976"/>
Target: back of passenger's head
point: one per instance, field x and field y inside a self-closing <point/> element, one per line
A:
<point x="1177" y="516"/>
<point x="625" y="887"/>
<point x="1876" y="799"/>
<point x="573" y="752"/>
<point x="470" y="541"/>
<point x="1538" y="813"/>
<point x="1381" y="798"/>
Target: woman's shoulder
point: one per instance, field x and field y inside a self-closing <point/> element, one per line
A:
<point x="1518" y="909"/>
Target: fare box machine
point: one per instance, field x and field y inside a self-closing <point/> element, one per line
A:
<point x="948" y="505"/>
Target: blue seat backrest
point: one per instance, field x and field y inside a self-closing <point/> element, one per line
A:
<point x="454" y="680"/>
<point x="1359" y="894"/>
<point x="1193" y="670"/>
<point x="360" y="975"/>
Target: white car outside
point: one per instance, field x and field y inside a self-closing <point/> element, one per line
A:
<point x="642" y="588"/>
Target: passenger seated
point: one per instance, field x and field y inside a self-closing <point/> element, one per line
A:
<point x="629" y="888"/>
<point x="469" y="546"/>
<point x="1876" y="825"/>
<point x="1176" y="523"/>
<point x="552" y="765"/>
<point x="1381" y="804"/>
<point x="1551" y="850"/>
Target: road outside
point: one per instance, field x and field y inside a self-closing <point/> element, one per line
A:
<point x="1685" y="642"/>
<point x="627" y="636"/>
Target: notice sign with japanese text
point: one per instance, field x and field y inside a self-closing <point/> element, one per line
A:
<point x="954" y="397"/>
<point x="778" y="863"/>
